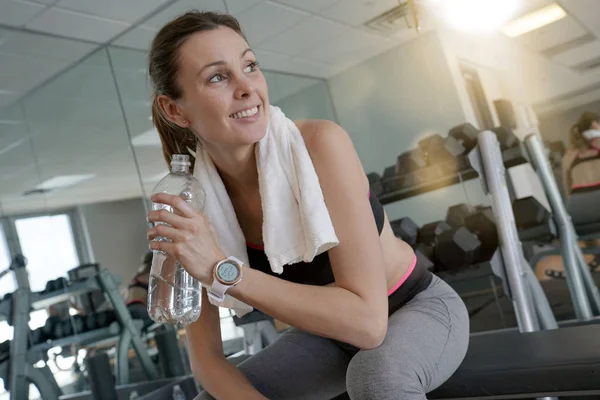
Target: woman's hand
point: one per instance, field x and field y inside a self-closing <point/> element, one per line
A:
<point x="193" y="242"/>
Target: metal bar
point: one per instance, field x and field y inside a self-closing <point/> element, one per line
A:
<point x="122" y="367"/>
<point x="494" y="176"/>
<point x="21" y="302"/>
<point x="540" y="301"/>
<point x="44" y="382"/>
<point x="575" y="279"/>
<point x="106" y="281"/>
<point x="497" y="300"/>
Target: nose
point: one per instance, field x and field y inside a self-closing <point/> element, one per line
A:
<point x="244" y="87"/>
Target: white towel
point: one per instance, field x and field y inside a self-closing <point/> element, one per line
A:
<point x="296" y="223"/>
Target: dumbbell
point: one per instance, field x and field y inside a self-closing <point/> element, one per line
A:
<point x="37" y="336"/>
<point x="70" y="326"/>
<point x="456" y="248"/>
<point x="456" y="214"/>
<point x="375" y="183"/>
<point x="466" y="134"/>
<point x="529" y="212"/>
<point x="49" y="327"/>
<point x="390" y="180"/>
<point x="5" y="347"/>
<point x="100" y="319"/>
<point x="406" y="229"/>
<point x="438" y="149"/>
<point x="506" y="137"/>
<point x="483" y="224"/>
<point x="427" y="235"/>
<point x="56" y="284"/>
<point x="410" y="161"/>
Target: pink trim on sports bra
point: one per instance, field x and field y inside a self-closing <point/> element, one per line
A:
<point x="404" y="278"/>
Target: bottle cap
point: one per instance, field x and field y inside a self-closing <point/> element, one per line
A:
<point x="180" y="159"/>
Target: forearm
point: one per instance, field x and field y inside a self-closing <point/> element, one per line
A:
<point x="217" y="376"/>
<point x="328" y="311"/>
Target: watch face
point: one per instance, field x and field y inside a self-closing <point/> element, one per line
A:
<point x="228" y="272"/>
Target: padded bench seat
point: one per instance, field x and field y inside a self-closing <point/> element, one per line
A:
<point x="507" y="365"/>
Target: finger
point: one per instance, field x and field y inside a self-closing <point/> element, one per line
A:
<point x="179" y="205"/>
<point x="167" y="247"/>
<point x="168" y="232"/>
<point x="170" y="218"/>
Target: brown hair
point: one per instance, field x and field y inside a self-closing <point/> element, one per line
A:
<point x="163" y="66"/>
<point x="583" y="124"/>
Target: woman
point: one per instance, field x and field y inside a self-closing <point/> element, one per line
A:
<point x="585" y="133"/>
<point x="365" y="319"/>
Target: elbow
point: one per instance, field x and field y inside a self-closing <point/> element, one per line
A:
<point x="373" y="332"/>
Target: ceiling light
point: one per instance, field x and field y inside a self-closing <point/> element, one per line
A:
<point x="476" y="16"/>
<point x="63" y="181"/>
<point x="148" y="138"/>
<point x="534" y="20"/>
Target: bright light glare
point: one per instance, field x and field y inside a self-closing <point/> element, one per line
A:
<point x="476" y="16"/>
<point x="534" y="20"/>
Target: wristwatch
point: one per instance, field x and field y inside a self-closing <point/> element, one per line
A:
<point x="226" y="274"/>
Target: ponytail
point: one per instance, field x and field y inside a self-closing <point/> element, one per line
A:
<point x="174" y="139"/>
<point x="576" y="139"/>
<point x="584" y="123"/>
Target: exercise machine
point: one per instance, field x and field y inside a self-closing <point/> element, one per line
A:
<point x="16" y="309"/>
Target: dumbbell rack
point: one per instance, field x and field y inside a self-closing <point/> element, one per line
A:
<point x="580" y="282"/>
<point x="520" y="284"/>
<point x="413" y="184"/>
<point x="16" y="310"/>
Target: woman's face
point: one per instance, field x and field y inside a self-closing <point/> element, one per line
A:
<point x="224" y="95"/>
<point x="595" y="125"/>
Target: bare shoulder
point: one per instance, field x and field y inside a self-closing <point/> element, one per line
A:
<point x="320" y="134"/>
<point x="330" y="147"/>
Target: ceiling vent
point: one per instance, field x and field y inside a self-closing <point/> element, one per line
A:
<point x="391" y="21"/>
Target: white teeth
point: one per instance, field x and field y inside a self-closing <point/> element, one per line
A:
<point x="246" y="113"/>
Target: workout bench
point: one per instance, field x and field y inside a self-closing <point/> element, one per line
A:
<point x="514" y="365"/>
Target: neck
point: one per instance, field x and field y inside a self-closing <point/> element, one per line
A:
<point x="238" y="170"/>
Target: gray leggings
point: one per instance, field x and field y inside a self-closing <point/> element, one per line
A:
<point x="425" y="343"/>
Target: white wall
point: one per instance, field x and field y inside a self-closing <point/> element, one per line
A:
<point x="117" y="232"/>
<point x="388" y="102"/>
<point x="312" y="102"/>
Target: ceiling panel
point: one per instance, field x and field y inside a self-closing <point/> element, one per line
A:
<point x="20" y="73"/>
<point x="237" y="6"/>
<point x="580" y="54"/>
<point x="77" y="25"/>
<point x="18" y="12"/>
<point x="118" y="10"/>
<point x="561" y="31"/>
<point x="271" y="60"/>
<point x="181" y="7"/>
<point x="268" y="19"/>
<point x="15" y="42"/>
<point x="585" y="11"/>
<point x="357" y="12"/>
<point x="138" y="38"/>
<point x="303" y="36"/>
<point x="345" y="48"/>
<point x="313" y="6"/>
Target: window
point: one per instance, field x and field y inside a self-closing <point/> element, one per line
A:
<point x="48" y="244"/>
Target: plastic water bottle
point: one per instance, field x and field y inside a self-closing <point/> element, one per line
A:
<point x="174" y="296"/>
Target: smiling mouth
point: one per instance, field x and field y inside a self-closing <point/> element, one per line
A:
<point x="250" y="112"/>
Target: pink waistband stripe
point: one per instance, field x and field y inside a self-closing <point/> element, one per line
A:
<point x="404" y="278"/>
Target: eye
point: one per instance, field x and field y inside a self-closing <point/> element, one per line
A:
<point x="253" y="66"/>
<point x="216" y="78"/>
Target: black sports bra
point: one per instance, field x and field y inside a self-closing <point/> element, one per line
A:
<point x="318" y="271"/>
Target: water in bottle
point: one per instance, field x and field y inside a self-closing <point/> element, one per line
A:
<point x="174" y="296"/>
